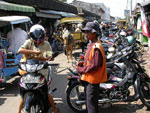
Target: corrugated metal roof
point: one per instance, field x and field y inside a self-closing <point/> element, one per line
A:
<point x="64" y="14"/>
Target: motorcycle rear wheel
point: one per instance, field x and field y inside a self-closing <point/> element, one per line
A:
<point x="145" y="92"/>
<point x="76" y="93"/>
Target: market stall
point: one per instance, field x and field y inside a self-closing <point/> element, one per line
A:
<point x="142" y="21"/>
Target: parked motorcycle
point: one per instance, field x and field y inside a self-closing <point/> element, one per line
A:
<point x="33" y="86"/>
<point x="115" y="89"/>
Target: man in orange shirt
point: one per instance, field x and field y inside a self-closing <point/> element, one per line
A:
<point x="93" y="68"/>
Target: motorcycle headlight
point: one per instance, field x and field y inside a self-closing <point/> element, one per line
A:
<point x="23" y="67"/>
<point x="31" y="68"/>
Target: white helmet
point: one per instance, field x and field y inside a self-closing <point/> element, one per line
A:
<point x="37" y="33"/>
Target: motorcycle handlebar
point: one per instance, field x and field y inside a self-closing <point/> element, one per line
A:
<point x="46" y="64"/>
<point x="123" y="56"/>
<point x="124" y="53"/>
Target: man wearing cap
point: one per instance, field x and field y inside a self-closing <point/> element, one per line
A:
<point x="93" y="68"/>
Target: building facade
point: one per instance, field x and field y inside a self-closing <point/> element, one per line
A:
<point x="97" y="8"/>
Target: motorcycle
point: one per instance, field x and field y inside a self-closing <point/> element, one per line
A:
<point x="34" y="86"/>
<point x="115" y="89"/>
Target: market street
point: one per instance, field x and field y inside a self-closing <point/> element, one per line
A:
<point x="114" y="37"/>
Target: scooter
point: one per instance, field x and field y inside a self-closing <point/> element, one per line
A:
<point x="33" y="86"/>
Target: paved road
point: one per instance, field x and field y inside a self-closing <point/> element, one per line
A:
<point x="9" y="95"/>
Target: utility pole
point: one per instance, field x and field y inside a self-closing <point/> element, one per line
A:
<point x="131" y="7"/>
<point x="127" y="5"/>
<point x="127" y="16"/>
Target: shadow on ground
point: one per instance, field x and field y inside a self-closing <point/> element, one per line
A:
<point x="2" y="100"/>
<point x="121" y="108"/>
<point x="10" y="88"/>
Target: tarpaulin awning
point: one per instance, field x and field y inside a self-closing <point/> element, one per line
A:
<point x="48" y="15"/>
<point x="47" y="5"/>
<point x="63" y="14"/>
<point x="15" y="7"/>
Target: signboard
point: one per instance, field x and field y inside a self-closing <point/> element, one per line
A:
<point x="80" y="11"/>
<point x="126" y="13"/>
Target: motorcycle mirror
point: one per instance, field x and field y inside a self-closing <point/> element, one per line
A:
<point x="45" y="65"/>
<point x="55" y="54"/>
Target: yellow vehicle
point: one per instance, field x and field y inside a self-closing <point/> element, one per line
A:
<point x="122" y="23"/>
<point x="73" y="21"/>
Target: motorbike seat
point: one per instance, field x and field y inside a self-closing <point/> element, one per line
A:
<point x="115" y="79"/>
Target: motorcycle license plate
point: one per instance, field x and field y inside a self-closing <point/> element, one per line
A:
<point x="31" y="79"/>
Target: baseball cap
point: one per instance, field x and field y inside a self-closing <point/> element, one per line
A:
<point x="92" y="27"/>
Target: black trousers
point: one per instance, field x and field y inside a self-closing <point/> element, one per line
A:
<point x="82" y="45"/>
<point x="92" y="95"/>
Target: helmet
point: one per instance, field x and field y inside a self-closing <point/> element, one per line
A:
<point x="130" y="39"/>
<point x="37" y="33"/>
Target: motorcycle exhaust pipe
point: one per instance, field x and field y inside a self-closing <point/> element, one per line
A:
<point x="80" y="102"/>
<point x="101" y="101"/>
<point x="136" y="88"/>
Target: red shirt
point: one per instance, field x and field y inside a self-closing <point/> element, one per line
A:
<point x="95" y="63"/>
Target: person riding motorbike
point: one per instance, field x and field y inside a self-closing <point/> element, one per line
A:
<point x="37" y="48"/>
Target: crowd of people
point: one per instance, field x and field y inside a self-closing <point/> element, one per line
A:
<point x="55" y="38"/>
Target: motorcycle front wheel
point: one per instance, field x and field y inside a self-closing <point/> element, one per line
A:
<point x="76" y="98"/>
<point x="145" y="92"/>
<point x="32" y="110"/>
